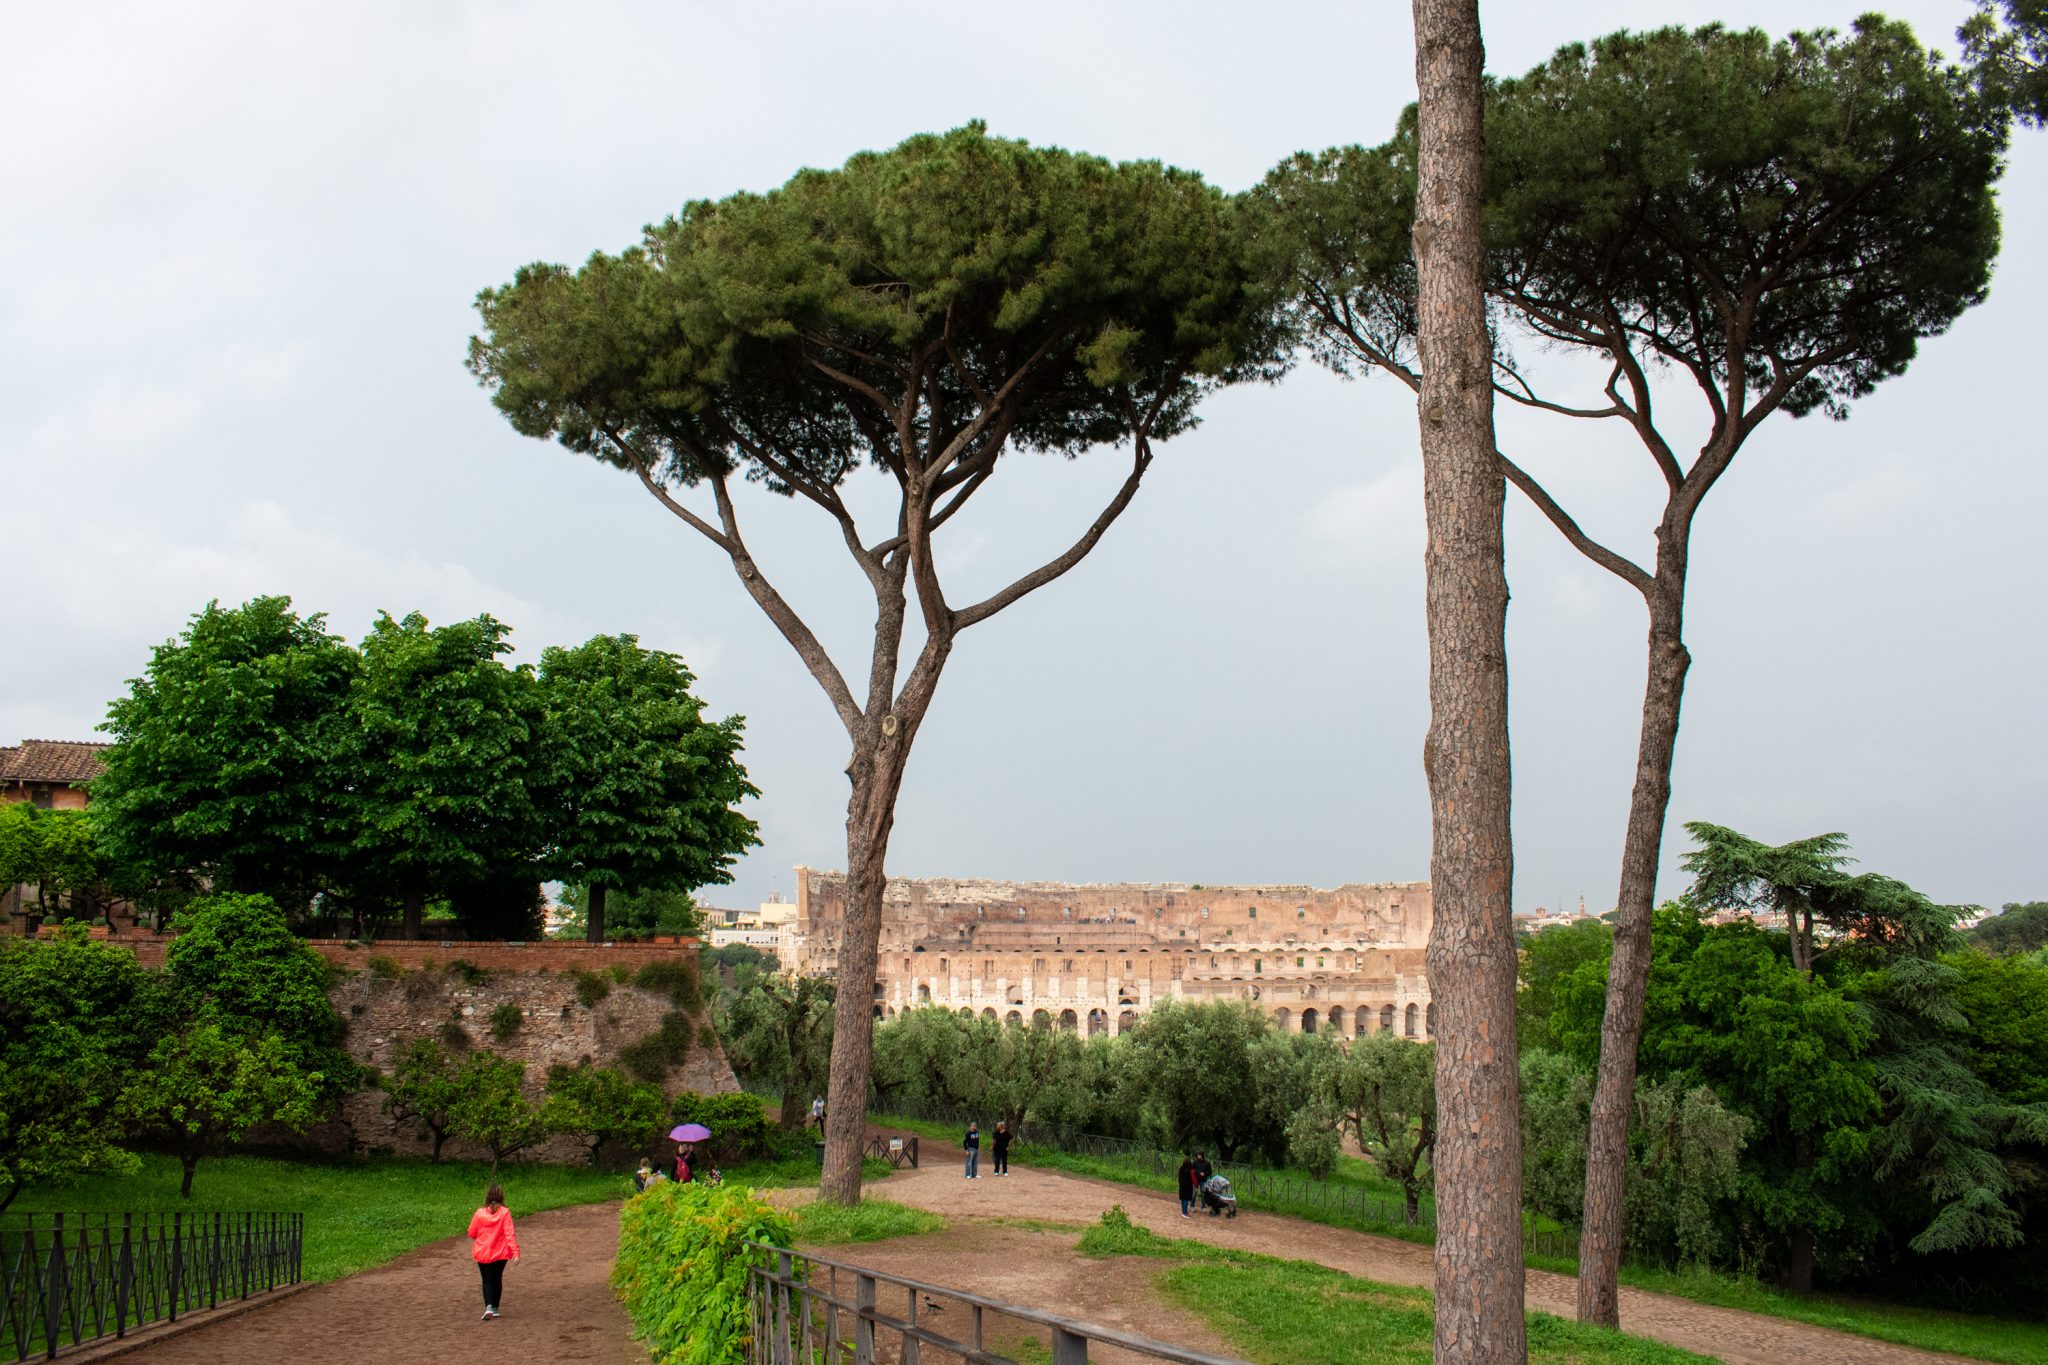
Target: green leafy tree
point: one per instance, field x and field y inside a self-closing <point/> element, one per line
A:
<point x="206" y="1087"/>
<point x="491" y="1108"/>
<point x="2003" y="1004"/>
<point x="641" y="793"/>
<point x="74" y="1019"/>
<point x="2008" y="42"/>
<point x="422" y="1091"/>
<point x="1383" y="1092"/>
<point x="445" y="745"/>
<point x="633" y="914"/>
<point x="1202" y="1089"/>
<point x="918" y="312"/>
<point x="1548" y="956"/>
<point x="1778" y="223"/>
<point x="226" y="751"/>
<point x="600" y="1105"/>
<point x="2016" y="929"/>
<point x="778" y="1029"/>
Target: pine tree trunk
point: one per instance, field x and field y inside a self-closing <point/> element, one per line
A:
<point x="593" y="926"/>
<point x="877" y="772"/>
<point x="415" y="911"/>
<point x="1478" y="1155"/>
<point x="1628" y="978"/>
<point x="190" y="1161"/>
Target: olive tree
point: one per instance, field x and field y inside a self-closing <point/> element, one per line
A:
<point x="917" y="313"/>
<point x="1772" y="225"/>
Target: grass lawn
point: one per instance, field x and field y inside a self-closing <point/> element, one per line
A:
<point x="1280" y="1312"/>
<point x="871" y="1220"/>
<point x="1931" y="1329"/>
<point x="358" y="1214"/>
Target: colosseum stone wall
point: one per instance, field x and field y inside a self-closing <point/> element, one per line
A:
<point x="1096" y="957"/>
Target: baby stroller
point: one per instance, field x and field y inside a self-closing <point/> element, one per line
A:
<point x="1217" y="1198"/>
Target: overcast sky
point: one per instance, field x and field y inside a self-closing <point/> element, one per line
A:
<point x="241" y="244"/>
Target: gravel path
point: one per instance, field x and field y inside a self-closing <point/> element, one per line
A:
<point x="1734" y="1336"/>
<point x="425" y="1306"/>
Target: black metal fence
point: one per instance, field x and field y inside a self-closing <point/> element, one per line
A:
<point x="809" y="1310"/>
<point x="76" y="1277"/>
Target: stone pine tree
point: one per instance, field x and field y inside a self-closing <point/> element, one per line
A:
<point x="1479" y="1281"/>
<point x="917" y="313"/>
<point x="640" y="790"/>
<point x="1772" y="226"/>
<point x="2007" y="40"/>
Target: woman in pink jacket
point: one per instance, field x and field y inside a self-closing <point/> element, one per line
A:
<point x="494" y="1244"/>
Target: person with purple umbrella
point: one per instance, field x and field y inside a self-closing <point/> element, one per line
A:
<point x="686" y="1136"/>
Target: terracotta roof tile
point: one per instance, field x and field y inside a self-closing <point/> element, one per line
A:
<point x="52" y="760"/>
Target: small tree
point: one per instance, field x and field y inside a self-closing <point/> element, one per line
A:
<point x="422" y="1091"/>
<point x="491" y="1108"/>
<point x="640" y="791"/>
<point x="74" y="1019"/>
<point x="1384" y="1092"/>
<point x="205" y="1087"/>
<point x="600" y="1105"/>
<point x="917" y="313"/>
<point x="779" y="1029"/>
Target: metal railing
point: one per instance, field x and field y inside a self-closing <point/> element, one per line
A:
<point x="809" y="1310"/>
<point x="70" y="1278"/>
<point x="899" y="1152"/>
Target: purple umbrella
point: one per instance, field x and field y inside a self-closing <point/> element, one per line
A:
<point x="689" y="1132"/>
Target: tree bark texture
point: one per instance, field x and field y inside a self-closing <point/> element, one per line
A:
<point x="1478" y="1154"/>
<point x="593" y="913"/>
<point x="1628" y="978"/>
<point x="415" y="912"/>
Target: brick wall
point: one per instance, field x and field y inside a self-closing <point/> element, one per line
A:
<point x="547" y="956"/>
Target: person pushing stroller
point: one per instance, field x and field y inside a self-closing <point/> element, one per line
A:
<point x="1217" y="1197"/>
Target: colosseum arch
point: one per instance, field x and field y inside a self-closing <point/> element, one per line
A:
<point x="878" y="1011"/>
<point x="1429" y="1019"/>
<point x="1126" y="1021"/>
<point x="1309" y="1021"/>
<point x="924" y="995"/>
<point x="1408" y="1019"/>
<point x="1040" y="1019"/>
<point x="1070" y="1022"/>
<point x="1337" y="1020"/>
<point x="1283" y="1020"/>
<point x="1386" y="1018"/>
<point x="1098" y="1022"/>
<point x="1015" y="1019"/>
<point x="989" y="1013"/>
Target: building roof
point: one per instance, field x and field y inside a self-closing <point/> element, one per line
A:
<point x="52" y="760"/>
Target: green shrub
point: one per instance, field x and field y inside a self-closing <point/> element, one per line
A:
<point x="871" y="1220"/>
<point x="653" y="1057"/>
<point x="455" y="1037"/>
<point x="673" y="977"/>
<point x="505" y="1021"/>
<point x="592" y="988"/>
<point x="682" y="1268"/>
<point x="384" y="968"/>
<point x="740" y="1130"/>
<point x="620" y="972"/>
<point x="471" y="974"/>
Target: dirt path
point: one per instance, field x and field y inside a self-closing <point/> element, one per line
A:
<point x="1736" y="1337"/>
<point x="425" y="1306"/>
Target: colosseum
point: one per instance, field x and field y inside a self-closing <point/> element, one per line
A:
<point x="1096" y="957"/>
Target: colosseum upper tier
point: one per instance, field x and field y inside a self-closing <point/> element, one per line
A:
<point x="1096" y="957"/>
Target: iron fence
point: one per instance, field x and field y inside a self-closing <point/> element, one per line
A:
<point x="809" y="1310"/>
<point x="76" y="1277"/>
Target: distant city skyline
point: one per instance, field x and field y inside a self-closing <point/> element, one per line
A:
<point x="251" y="235"/>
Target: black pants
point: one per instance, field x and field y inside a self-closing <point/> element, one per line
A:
<point x="1002" y="1161"/>
<point x="494" y="1281"/>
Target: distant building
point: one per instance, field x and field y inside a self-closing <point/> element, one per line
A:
<point x="1096" y="957"/>
<point x="766" y="927"/>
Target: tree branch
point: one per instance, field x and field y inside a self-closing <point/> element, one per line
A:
<point x="1627" y="570"/>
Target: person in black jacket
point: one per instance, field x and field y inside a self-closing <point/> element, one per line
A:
<point x="1002" y="1142"/>
<point x="972" y="1142"/>
<point x="1186" y="1176"/>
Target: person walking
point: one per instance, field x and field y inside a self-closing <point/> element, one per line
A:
<point x="972" y="1142"/>
<point x="1002" y="1142"/>
<point x="1185" y="1178"/>
<point x="818" y="1112"/>
<point x="493" y="1245"/>
<point x="1203" y="1170"/>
